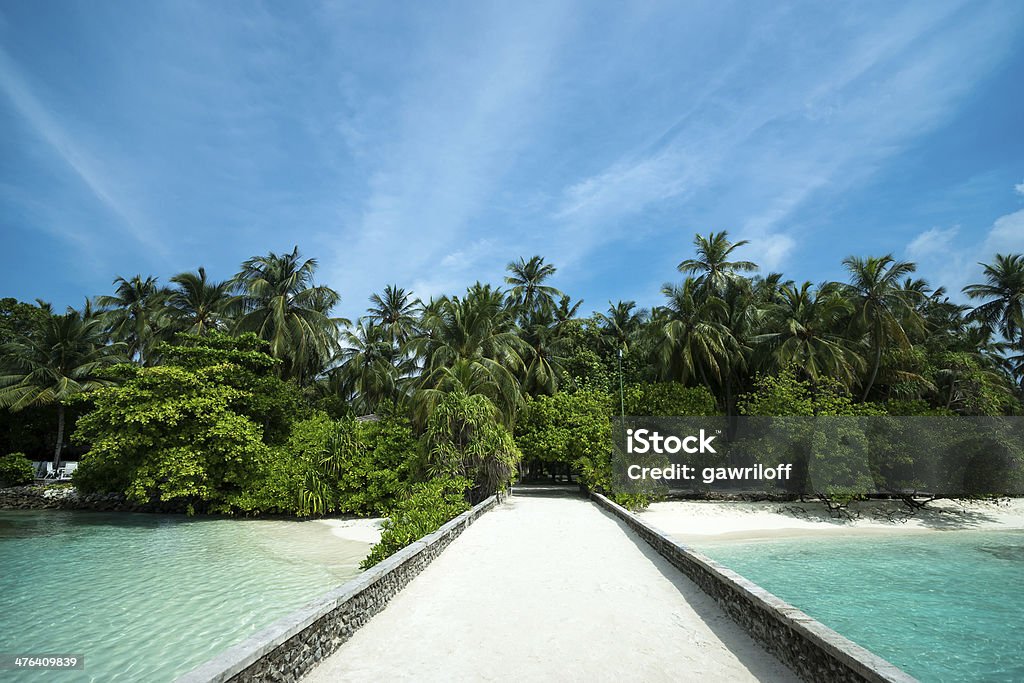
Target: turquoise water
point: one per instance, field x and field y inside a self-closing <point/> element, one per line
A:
<point x="943" y="606"/>
<point x="148" y="597"/>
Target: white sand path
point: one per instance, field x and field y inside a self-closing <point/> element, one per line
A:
<point x="550" y="589"/>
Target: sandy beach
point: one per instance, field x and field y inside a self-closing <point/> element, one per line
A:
<point x="365" y="530"/>
<point x="719" y="520"/>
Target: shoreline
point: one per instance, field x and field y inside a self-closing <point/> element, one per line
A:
<point x="728" y="521"/>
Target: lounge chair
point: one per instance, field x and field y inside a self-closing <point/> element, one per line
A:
<point x="68" y="469"/>
<point x="51" y="473"/>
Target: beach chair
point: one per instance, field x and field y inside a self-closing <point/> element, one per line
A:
<point x="68" y="469"/>
<point x="51" y="473"/>
<point x="39" y="468"/>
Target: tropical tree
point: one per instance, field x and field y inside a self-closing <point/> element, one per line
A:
<point x="1004" y="290"/>
<point x="371" y="369"/>
<point x="199" y="306"/>
<point x="882" y="309"/>
<point x="472" y="339"/>
<point x="622" y="325"/>
<point x="528" y="293"/>
<point x="63" y="357"/>
<point x="136" y="315"/>
<point x="803" y="331"/>
<point x="712" y="266"/>
<point x="691" y="340"/>
<point x="395" y="312"/>
<point x="282" y="305"/>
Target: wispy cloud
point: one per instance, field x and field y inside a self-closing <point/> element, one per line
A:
<point x="457" y="132"/>
<point x="815" y="129"/>
<point x="84" y="164"/>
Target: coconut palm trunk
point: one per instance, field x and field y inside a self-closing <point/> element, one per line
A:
<point x="60" y="436"/>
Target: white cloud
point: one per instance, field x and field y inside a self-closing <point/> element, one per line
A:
<point x="945" y="259"/>
<point x="933" y="242"/>
<point x="1019" y="188"/>
<point x="1006" y="235"/>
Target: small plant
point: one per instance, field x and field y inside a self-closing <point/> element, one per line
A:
<point x="15" y="470"/>
<point x="428" y="507"/>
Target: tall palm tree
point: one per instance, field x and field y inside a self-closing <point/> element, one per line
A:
<point x="477" y="333"/>
<point x="692" y="342"/>
<point x="282" y="305"/>
<point x="395" y="311"/>
<point x="371" y="370"/>
<point x="713" y="268"/>
<point x="62" y="357"/>
<point x="882" y="308"/>
<point x="805" y="331"/>
<point x="1004" y="289"/>
<point x="136" y="315"/>
<point x="622" y="325"/>
<point x="528" y="292"/>
<point x="199" y="306"/>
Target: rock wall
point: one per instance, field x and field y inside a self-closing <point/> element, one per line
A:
<point x="65" y="497"/>
<point x="289" y="648"/>
<point x="815" y="652"/>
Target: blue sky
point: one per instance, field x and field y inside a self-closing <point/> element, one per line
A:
<point x="428" y="144"/>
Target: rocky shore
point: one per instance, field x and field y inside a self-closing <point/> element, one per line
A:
<point x="65" y="497"/>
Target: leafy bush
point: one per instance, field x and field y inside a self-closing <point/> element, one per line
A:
<point x="465" y="439"/>
<point x="194" y="432"/>
<point x="15" y="470"/>
<point x="668" y="398"/>
<point x="570" y="428"/>
<point x="427" y="508"/>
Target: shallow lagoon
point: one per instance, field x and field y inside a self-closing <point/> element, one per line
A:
<point x="943" y="606"/>
<point x="147" y="597"/>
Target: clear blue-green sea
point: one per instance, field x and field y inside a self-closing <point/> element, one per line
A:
<point x="943" y="606"/>
<point x="149" y="597"/>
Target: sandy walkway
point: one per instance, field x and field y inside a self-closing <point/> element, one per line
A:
<point x="550" y="589"/>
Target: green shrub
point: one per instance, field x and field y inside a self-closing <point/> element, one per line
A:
<point x="15" y="470"/>
<point x="570" y="428"/>
<point x="668" y="399"/>
<point x="427" y="508"/>
<point x="194" y="430"/>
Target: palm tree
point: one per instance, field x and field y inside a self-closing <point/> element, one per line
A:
<point x="805" y="332"/>
<point x="1004" y="288"/>
<point x="371" y="370"/>
<point x="528" y="292"/>
<point x="136" y="315"/>
<point x="692" y="342"/>
<point x="882" y="308"/>
<point x="714" y="269"/>
<point x="199" y="306"/>
<point x="282" y="305"/>
<point x="394" y="311"/>
<point x="622" y="325"/>
<point x="63" y="357"/>
<point x="476" y="333"/>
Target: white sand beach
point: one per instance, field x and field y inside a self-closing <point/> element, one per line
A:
<point x="550" y="589"/>
<point x="714" y="520"/>
<point x="366" y="530"/>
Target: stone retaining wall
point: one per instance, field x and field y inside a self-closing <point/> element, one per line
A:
<point x="65" y="497"/>
<point x="290" y="647"/>
<point x="812" y="650"/>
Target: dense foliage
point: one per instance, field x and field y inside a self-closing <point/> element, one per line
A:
<point x="424" y="511"/>
<point x="241" y="395"/>
<point x="15" y="470"/>
<point x="570" y="428"/>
